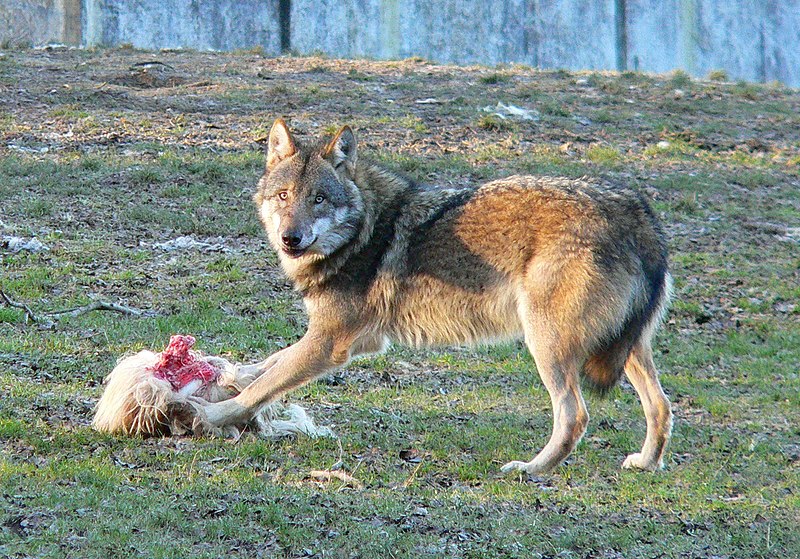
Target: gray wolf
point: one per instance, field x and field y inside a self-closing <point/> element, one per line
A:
<point x="575" y="267"/>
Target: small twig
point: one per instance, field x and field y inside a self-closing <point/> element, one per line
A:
<point x="413" y="475"/>
<point x="769" y="545"/>
<point x="328" y="475"/>
<point x="97" y="306"/>
<point x="339" y="462"/>
<point x="29" y="314"/>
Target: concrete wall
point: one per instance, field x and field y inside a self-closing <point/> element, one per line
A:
<point x="756" y="40"/>
<point x="197" y="24"/>
<point x="539" y="33"/>
<point x="34" y="22"/>
<point x="750" y="39"/>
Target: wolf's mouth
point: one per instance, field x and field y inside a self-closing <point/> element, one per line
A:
<point x="294" y="252"/>
<point x="297" y="252"/>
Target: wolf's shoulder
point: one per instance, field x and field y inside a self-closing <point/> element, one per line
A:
<point x="425" y="203"/>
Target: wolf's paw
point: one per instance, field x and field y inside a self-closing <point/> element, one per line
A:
<point x="518" y="466"/>
<point x="219" y="414"/>
<point x="221" y="364"/>
<point x="637" y="462"/>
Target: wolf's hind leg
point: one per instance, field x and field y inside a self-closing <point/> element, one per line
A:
<point x="570" y="417"/>
<point x="641" y="371"/>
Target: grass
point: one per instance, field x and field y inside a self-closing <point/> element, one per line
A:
<point x="718" y="76"/>
<point x="494" y="123"/>
<point x="603" y="155"/>
<point x="424" y="431"/>
<point x="495" y="78"/>
<point x="680" y="79"/>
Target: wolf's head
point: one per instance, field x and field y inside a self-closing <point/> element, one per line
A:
<point x="306" y="199"/>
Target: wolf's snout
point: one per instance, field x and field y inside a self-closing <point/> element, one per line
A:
<point x="292" y="239"/>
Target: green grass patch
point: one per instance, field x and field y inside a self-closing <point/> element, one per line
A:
<point x="494" y="123"/>
<point x="495" y="78"/>
<point x="603" y="155"/>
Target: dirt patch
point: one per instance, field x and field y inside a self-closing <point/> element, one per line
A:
<point x="149" y="75"/>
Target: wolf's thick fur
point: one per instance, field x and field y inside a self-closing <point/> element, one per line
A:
<point x="576" y="267"/>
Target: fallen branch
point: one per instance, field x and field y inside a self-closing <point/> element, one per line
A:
<point x="29" y="314"/>
<point x="329" y="475"/>
<point x="150" y="64"/>
<point x="765" y="227"/>
<point x="98" y="306"/>
<point x="78" y="311"/>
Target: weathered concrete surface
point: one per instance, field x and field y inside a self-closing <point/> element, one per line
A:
<point x="755" y="40"/>
<point x="195" y="24"/>
<point x="35" y="22"/>
<point x="575" y="34"/>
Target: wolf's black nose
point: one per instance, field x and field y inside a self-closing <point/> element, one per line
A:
<point x="291" y="239"/>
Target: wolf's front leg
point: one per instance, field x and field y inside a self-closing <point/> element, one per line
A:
<point x="257" y="369"/>
<point x="285" y="370"/>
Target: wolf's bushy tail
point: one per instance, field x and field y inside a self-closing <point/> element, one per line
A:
<point x="605" y="367"/>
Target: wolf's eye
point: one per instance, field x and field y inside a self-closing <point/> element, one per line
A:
<point x="319" y="199"/>
<point x="283" y="195"/>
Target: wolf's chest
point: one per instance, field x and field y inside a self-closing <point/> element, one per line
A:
<point x="430" y="312"/>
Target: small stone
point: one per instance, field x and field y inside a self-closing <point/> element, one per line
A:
<point x="420" y="511"/>
<point x="785" y="308"/>
<point x="17" y="244"/>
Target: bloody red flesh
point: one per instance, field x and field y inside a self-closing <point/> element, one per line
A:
<point x="179" y="366"/>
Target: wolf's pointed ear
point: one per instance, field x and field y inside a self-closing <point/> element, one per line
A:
<point x="281" y="145"/>
<point x="342" y="149"/>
